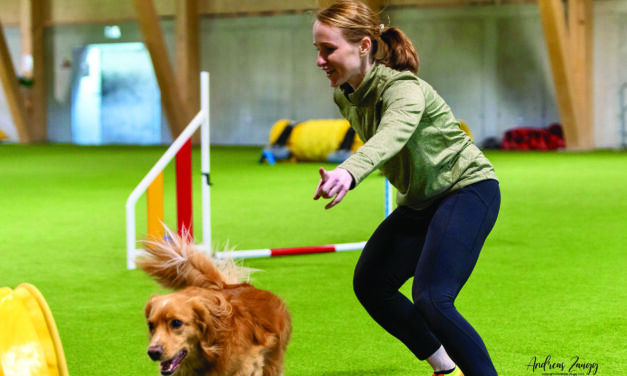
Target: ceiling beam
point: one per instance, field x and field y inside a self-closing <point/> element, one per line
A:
<point x="188" y="56"/>
<point x="32" y="69"/>
<point x="188" y="52"/>
<point x="580" y="33"/>
<point x="9" y="82"/>
<point x="564" y="64"/>
<point x="175" y="108"/>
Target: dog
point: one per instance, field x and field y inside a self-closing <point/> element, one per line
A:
<point x="213" y="324"/>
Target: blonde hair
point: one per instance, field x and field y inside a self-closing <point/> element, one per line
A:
<point x="390" y="46"/>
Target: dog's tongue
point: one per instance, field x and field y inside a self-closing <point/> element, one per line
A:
<point x="169" y="366"/>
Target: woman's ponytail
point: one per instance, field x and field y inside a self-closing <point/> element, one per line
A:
<point x="397" y="51"/>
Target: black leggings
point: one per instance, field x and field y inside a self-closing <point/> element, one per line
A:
<point x="439" y="247"/>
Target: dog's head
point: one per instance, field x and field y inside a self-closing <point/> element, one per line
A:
<point x="187" y="329"/>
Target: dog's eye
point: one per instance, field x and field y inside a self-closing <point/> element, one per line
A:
<point x="151" y="326"/>
<point x="175" y="324"/>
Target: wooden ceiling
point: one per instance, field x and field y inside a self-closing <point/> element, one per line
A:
<point x="102" y="11"/>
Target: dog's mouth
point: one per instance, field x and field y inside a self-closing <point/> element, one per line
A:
<point x="170" y="366"/>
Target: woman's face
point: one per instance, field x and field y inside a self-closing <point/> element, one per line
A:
<point x="341" y="60"/>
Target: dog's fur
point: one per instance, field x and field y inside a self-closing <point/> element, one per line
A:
<point x="211" y="325"/>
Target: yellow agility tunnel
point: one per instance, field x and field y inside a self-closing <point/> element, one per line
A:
<point x="29" y="340"/>
<point x="312" y="140"/>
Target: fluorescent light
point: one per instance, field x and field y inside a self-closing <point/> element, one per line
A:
<point x="112" y="32"/>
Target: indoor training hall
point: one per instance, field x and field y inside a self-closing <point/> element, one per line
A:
<point x="214" y="121"/>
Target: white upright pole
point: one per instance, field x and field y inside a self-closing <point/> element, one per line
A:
<point x="130" y="233"/>
<point x="205" y="144"/>
<point x="389" y="201"/>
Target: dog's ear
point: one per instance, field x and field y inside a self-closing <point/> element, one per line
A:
<point x="148" y="307"/>
<point x="211" y="313"/>
<point x="202" y="314"/>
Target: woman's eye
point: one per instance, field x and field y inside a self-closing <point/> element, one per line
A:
<point x="175" y="324"/>
<point x="325" y="50"/>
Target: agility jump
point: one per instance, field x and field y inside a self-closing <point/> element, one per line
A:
<point x="152" y="185"/>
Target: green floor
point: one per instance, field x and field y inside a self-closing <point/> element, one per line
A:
<point x="551" y="280"/>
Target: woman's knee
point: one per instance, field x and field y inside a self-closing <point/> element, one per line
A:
<point x="422" y="300"/>
<point x="371" y="289"/>
<point x="430" y="303"/>
<point x="362" y="286"/>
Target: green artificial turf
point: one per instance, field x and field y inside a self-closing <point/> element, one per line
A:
<point x="550" y="281"/>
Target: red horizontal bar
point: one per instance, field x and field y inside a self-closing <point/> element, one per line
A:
<point x="302" y="250"/>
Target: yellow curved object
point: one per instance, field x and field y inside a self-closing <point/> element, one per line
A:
<point x="466" y="129"/>
<point x="277" y="129"/>
<point x="29" y="339"/>
<point x="314" y="140"/>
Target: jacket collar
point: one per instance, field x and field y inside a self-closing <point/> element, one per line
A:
<point x="355" y="97"/>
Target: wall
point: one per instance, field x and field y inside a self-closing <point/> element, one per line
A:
<point x="262" y="70"/>
<point x="610" y="72"/>
<point x="489" y="63"/>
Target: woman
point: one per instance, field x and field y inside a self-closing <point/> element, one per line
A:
<point x="448" y="194"/>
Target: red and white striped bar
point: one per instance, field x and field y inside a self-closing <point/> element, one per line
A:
<point x="271" y="252"/>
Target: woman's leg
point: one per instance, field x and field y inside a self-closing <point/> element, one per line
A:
<point x="388" y="260"/>
<point x="456" y="235"/>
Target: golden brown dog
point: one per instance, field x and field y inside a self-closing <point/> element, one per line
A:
<point x="211" y="325"/>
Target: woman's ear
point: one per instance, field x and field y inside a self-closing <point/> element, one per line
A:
<point x="365" y="46"/>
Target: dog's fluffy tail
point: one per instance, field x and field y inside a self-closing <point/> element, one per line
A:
<point x="177" y="263"/>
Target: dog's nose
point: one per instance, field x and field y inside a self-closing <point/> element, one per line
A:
<point x="155" y="352"/>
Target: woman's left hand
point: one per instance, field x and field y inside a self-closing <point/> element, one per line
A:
<point x="336" y="183"/>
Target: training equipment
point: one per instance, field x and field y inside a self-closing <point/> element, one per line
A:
<point x="464" y="127"/>
<point x="528" y="138"/>
<point x="29" y="340"/>
<point x="325" y="140"/>
<point x="389" y="198"/>
<point x="153" y="183"/>
<point x="269" y="252"/>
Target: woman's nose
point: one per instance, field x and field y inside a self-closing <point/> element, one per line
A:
<point x="320" y="61"/>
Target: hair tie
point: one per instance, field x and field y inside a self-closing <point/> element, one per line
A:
<point x="382" y="26"/>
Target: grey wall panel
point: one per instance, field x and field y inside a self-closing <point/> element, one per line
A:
<point x="262" y="70"/>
